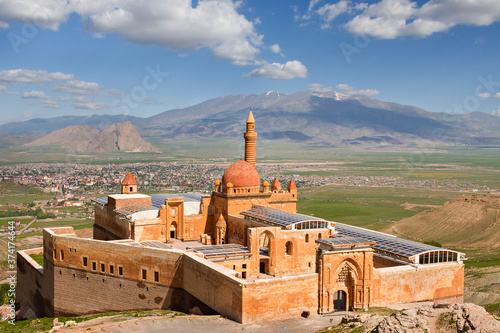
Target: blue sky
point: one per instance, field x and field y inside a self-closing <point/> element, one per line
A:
<point x="142" y="57"/>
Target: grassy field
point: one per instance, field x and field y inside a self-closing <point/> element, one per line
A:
<point x="24" y="220"/>
<point x="16" y="193"/>
<point x="71" y="209"/>
<point x="371" y="207"/>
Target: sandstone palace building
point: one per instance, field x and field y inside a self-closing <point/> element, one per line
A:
<point x="243" y="252"/>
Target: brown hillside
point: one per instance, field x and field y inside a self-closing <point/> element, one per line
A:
<point x="83" y="138"/>
<point x="469" y="221"/>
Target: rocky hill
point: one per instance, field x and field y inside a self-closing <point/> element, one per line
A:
<point x="302" y="117"/>
<point x="439" y="317"/>
<point x="466" y="222"/>
<point x="84" y="138"/>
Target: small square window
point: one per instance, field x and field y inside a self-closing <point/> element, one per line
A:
<point x="244" y="266"/>
<point x="120" y="270"/>
<point x="157" y="276"/>
<point x="243" y="275"/>
<point x="85" y="261"/>
<point x="111" y="269"/>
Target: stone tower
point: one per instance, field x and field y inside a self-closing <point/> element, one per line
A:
<point x="250" y="136"/>
<point x="129" y="185"/>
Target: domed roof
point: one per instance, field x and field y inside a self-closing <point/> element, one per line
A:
<point x="241" y="173"/>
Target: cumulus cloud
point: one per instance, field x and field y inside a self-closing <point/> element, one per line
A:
<point x="51" y="104"/>
<point x="288" y="70"/>
<point x="318" y="88"/>
<point x="343" y="88"/>
<point x="488" y="95"/>
<point x="176" y="25"/>
<point x="388" y="19"/>
<point x="395" y="18"/>
<point x="35" y="94"/>
<point x="77" y="87"/>
<point x="348" y="90"/>
<point x="81" y="102"/>
<point x="13" y="76"/>
<point x="47" y="14"/>
<point x="329" y="12"/>
<point x="275" y="48"/>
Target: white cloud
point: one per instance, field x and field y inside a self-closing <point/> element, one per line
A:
<point x="388" y="19"/>
<point x="488" y="95"/>
<point x="348" y="90"/>
<point x="77" y="87"/>
<point x="275" y="48"/>
<point x="51" y="104"/>
<point x="288" y="70"/>
<point x="343" y="88"/>
<point x="47" y="14"/>
<point x="329" y="12"/>
<point x="318" y="88"/>
<point x="212" y="23"/>
<point x="14" y="76"/>
<point x="88" y="104"/>
<point x="35" y="94"/>
<point x="496" y="113"/>
<point x="176" y="25"/>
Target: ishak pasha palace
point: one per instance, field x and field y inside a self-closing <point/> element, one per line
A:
<point x="242" y="252"/>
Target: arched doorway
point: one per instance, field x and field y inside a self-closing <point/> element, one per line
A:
<point x="173" y="230"/>
<point x="340" y="300"/>
<point x="265" y="249"/>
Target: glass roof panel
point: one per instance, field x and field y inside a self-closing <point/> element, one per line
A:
<point x="386" y="242"/>
<point x="343" y="241"/>
<point x="278" y="216"/>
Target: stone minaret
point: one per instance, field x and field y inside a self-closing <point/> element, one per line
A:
<point x="250" y="135"/>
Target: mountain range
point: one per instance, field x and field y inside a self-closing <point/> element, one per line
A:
<point x="326" y="119"/>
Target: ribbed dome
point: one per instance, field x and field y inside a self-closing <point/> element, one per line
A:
<point x="241" y="173"/>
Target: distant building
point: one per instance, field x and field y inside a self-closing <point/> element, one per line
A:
<point x="243" y="252"/>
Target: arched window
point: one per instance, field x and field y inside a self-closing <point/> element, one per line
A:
<point x="289" y="248"/>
